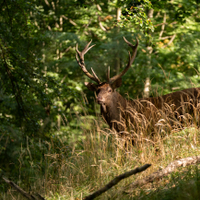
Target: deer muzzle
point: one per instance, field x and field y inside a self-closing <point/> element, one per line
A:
<point x="100" y="100"/>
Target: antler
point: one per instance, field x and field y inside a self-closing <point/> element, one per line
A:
<point x="131" y="59"/>
<point x="80" y="60"/>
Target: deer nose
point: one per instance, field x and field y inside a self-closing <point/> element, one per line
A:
<point x="99" y="98"/>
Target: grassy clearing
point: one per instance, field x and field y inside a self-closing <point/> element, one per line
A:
<point x="99" y="154"/>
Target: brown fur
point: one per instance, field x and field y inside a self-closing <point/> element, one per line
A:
<point x="117" y="110"/>
<point x="121" y="113"/>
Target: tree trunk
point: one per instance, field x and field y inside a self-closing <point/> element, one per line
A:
<point x="149" y="67"/>
<point x="117" y="57"/>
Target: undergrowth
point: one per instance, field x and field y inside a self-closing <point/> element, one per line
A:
<point x="93" y="158"/>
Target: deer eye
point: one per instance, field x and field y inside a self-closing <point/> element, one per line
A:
<point x="110" y="90"/>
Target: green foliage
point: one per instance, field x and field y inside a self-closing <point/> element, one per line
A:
<point x="22" y="82"/>
<point x="42" y="95"/>
<point x="135" y="13"/>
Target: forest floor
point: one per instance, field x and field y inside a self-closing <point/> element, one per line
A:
<point x="99" y="155"/>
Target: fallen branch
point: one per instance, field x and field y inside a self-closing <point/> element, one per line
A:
<point x="161" y="173"/>
<point x="24" y="193"/>
<point x="115" y="181"/>
<point x="156" y="175"/>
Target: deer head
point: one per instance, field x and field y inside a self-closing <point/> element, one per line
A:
<point x="116" y="110"/>
<point x="106" y="93"/>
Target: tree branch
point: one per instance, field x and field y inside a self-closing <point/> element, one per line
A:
<point x="47" y="2"/>
<point x="161" y="173"/>
<point x="163" y="26"/>
<point x="70" y="20"/>
<point x="116" y="180"/>
<point x="99" y="19"/>
<point x="172" y="39"/>
<point x="100" y="24"/>
<point x="24" y="193"/>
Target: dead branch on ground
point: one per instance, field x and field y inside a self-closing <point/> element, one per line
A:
<point x="116" y="180"/>
<point x="161" y="173"/>
<point x="24" y="193"/>
<point x="156" y="175"/>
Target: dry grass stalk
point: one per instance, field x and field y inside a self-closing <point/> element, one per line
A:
<point x="145" y="119"/>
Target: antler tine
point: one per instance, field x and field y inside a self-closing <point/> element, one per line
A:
<point x="130" y="44"/>
<point x="86" y="49"/>
<point x="131" y="59"/>
<point x="80" y="61"/>
<point x="95" y="75"/>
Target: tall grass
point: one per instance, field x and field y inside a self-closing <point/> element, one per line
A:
<point x="98" y="154"/>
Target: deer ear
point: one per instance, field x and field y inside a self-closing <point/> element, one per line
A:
<point x="91" y="86"/>
<point x="117" y="83"/>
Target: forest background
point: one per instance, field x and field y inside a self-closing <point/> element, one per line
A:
<point x="44" y="104"/>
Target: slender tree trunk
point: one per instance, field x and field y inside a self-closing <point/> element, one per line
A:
<point x="117" y="58"/>
<point x="149" y="67"/>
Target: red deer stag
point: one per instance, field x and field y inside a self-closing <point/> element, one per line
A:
<point x="118" y="111"/>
